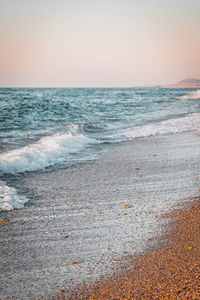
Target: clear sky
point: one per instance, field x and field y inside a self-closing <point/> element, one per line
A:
<point x="98" y="42"/>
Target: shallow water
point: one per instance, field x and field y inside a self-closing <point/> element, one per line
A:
<point x="77" y="214"/>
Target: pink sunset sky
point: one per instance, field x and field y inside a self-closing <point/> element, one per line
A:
<point x="92" y="43"/>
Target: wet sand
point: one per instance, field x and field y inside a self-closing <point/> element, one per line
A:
<point x="94" y="214"/>
<point x="171" y="271"/>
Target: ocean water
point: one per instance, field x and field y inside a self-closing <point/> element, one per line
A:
<point x="45" y="129"/>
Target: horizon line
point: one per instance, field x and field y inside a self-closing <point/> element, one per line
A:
<point x="166" y="85"/>
<point x="80" y="87"/>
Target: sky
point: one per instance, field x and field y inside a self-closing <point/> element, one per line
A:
<point x="98" y="43"/>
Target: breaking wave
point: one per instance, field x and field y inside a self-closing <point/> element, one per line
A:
<point x="191" y="95"/>
<point x="9" y="199"/>
<point x="46" y="152"/>
<point x="187" y="123"/>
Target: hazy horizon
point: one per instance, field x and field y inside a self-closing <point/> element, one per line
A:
<point x="108" y="87"/>
<point x="98" y="43"/>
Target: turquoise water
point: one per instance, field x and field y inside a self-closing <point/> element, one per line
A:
<point x="45" y="129"/>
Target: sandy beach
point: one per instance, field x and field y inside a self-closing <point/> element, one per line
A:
<point x="171" y="271"/>
<point x="82" y="223"/>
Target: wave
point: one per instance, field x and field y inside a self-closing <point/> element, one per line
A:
<point x="191" y="95"/>
<point x="9" y="199"/>
<point x="46" y="152"/>
<point x="187" y="123"/>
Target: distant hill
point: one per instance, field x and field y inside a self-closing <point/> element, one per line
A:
<point x="188" y="82"/>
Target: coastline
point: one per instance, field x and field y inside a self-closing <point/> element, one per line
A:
<point x="81" y="214"/>
<point x="171" y="271"/>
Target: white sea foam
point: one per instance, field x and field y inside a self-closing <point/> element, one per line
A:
<point x="191" y="95"/>
<point x="188" y="123"/>
<point x="47" y="151"/>
<point x="9" y="199"/>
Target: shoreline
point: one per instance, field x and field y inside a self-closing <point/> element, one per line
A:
<point x="170" y="271"/>
<point x="82" y="214"/>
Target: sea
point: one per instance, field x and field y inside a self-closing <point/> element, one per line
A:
<point x="45" y="129"/>
<point x="88" y="180"/>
